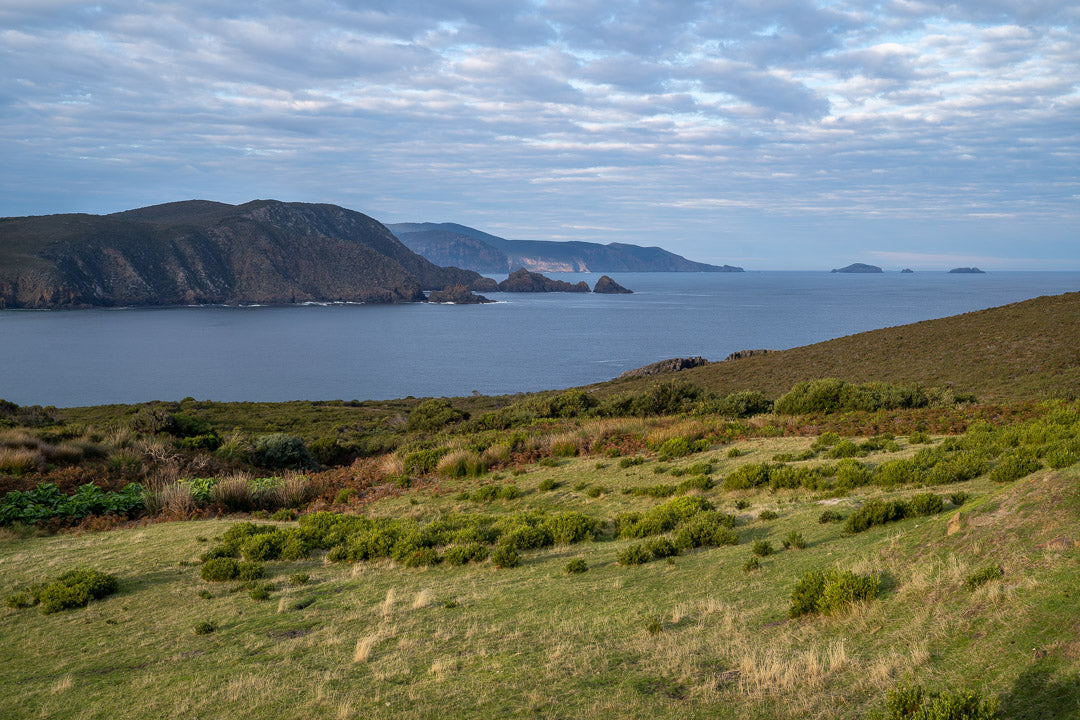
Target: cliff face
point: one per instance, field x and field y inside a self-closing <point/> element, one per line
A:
<point x="524" y="281"/>
<point x="264" y="252"/>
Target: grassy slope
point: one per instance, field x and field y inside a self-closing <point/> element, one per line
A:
<point x="379" y="640"/>
<point x="1024" y="351"/>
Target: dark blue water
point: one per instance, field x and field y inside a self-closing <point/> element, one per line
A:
<point x="525" y="342"/>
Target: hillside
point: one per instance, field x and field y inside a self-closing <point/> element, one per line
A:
<point x="1023" y="351"/>
<point x="462" y="246"/>
<point x="201" y="252"/>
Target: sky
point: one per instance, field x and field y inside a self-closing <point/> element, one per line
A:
<point x="770" y="134"/>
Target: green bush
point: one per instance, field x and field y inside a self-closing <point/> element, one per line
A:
<point x="278" y="450"/>
<point x="983" y="576"/>
<point x="851" y="474"/>
<point x="595" y="491"/>
<point x="906" y="701"/>
<point x="636" y="554"/>
<point x="708" y="528"/>
<point x="767" y="515"/>
<point x="897" y="472"/>
<point x="697" y="482"/>
<point x="572" y="527"/>
<point x="76" y="588"/>
<point x="299" y="579"/>
<point x="875" y="512"/>
<point x="794" y="539"/>
<point x="762" y="548"/>
<point x="660" y="547"/>
<point x="219" y="569"/>
<point x="205" y="627"/>
<point x="505" y="556"/>
<point x="264" y="546"/>
<point x="958" y="498"/>
<point x="421" y="557"/>
<point x="248" y="571"/>
<point x="832" y="395"/>
<point x="434" y="415"/>
<point x="925" y="504"/>
<point x="752" y="564"/>
<point x="631" y="461"/>
<point x="743" y="404"/>
<point x="656" y="491"/>
<point x="747" y="476"/>
<point x="828" y="592"/>
<point x="829" y="516"/>
<point x="469" y="552"/>
<point x="1013" y="467"/>
<point x="547" y="484"/>
<point x="576" y="566"/>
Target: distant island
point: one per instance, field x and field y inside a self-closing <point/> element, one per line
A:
<point x="466" y="247"/>
<point x="906" y="271"/>
<point x="858" y="268"/>
<point x="968" y="271"/>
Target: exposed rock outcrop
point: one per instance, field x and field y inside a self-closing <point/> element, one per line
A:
<point x="968" y="271"/>
<point x="609" y="286"/>
<point x="458" y="295"/>
<point x="524" y="281"/>
<point x="664" y="366"/>
<point x="742" y="354"/>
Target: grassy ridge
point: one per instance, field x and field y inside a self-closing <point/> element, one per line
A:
<point x="1024" y="351"/>
<point x="699" y="636"/>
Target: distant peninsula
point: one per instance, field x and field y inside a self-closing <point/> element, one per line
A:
<point x="200" y="252"/>
<point x="522" y="280"/>
<point x="858" y="268"/>
<point x="465" y="247"/>
<point x="968" y="271"/>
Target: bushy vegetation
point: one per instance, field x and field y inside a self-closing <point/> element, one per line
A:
<point x="281" y="451"/>
<point x="907" y="701"/>
<point x="834" y="395"/>
<point x="46" y="502"/>
<point x="829" y="592"/>
<point x="982" y="576"/>
<point x="74" y="588"/>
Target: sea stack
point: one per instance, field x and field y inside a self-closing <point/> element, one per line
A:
<point x="609" y="286"/>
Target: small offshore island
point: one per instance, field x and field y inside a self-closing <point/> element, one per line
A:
<point x="858" y="268"/>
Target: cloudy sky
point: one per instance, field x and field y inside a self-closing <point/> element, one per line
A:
<point x="772" y="134"/>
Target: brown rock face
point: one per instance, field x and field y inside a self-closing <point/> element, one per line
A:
<point x="609" y="286"/>
<point x="458" y="295"/>
<point x="524" y="281"/>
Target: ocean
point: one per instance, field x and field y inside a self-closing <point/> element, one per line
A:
<point x="522" y="343"/>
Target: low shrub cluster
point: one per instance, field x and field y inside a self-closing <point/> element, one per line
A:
<point x="982" y="576"/>
<point x="75" y="588"/>
<point x="662" y="518"/>
<point x="830" y="591"/>
<point x="46" y="502"/>
<point x="906" y="701"/>
<point x="694" y="529"/>
<point x="878" y="512"/>
<point x="832" y="395"/>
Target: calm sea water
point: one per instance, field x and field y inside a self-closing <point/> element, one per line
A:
<point x="525" y="342"/>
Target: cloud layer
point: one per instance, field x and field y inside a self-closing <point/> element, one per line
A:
<point x="771" y="134"/>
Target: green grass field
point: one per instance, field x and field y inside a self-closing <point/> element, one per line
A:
<point x="698" y="636"/>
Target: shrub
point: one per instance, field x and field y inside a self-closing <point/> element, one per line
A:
<point x="925" y="504"/>
<point x="248" y="571"/>
<point x="505" y="556"/>
<point x="752" y="564"/>
<point x="828" y="592"/>
<point x="656" y="491"/>
<point x="897" y="472"/>
<point x="547" y="485"/>
<point x="421" y="557"/>
<point x="829" y="516"/>
<point x="906" y="701"/>
<point x="76" y="588"/>
<point x="734" y="452"/>
<point x="433" y="415"/>
<point x="697" y="482"/>
<point x="548" y="462"/>
<point x="843" y="449"/>
<point x="743" y="404"/>
<point x="576" y="566"/>
<point x="264" y="546"/>
<point x="219" y="569"/>
<point x="205" y="627"/>
<point x="746" y="477"/>
<point x="595" y="491"/>
<point x="762" y="548"/>
<point x="875" y="512"/>
<point x="1013" y="467"/>
<point x="706" y="529"/>
<point x="794" y="539"/>
<point x="462" y="554"/>
<point x="572" y="527"/>
<point x="278" y="450"/>
<point x="851" y="474"/>
<point x="485" y="493"/>
<point x="983" y="576"/>
<point x="636" y="554"/>
<point x="631" y="461"/>
<point x="509" y="492"/>
<point x="661" y="547"/>
<point x="741" y="504"/>
<point x="299" y="579"/>
<point x="919" y="438"/>
<point x="958" y="498"/>
<point x="767" y="515"/>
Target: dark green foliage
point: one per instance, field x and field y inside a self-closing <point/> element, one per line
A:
<point x="22" y="600"/>
<point x="509" y="492"/>
<point x="548" y="462"/>
<point x="655" y="625"/>
<point x="910" y="702"/>
<point x="299" y="579"/>
<point x="76" y="588"/>
<point x="708" y="528"/>
<point x="958" y="498"/>
<point x="680" y="447"/>
<point x="547" y="484"/>
<point x="302" y="603"/>
<point x="743" y="404"/>
<point x="46" y="502"/>
<point x="462" y="554"/>
<point x="762" y="548"/>
<point x="630" y="461"/>
<point x="736" y="452"/>
<point x="829" y="516"/>
<point x="747" y="476"/>
<point x="329" y="451"/>
<point x="833" y="395"/>
<point x="897" y="472"/>
<point x="595" y="491"/>
<point x="741" y="504"/>
<point x="661" y="518"/>
<point x="851" y="474"/>
<point x="576" y="566"/>
<point x="264" y="546"/>
<point x="205" y="627"/>
<point x="656" y="491"/>
<point x="434" y="415"/>
<point x="423" y="461"/>
<point x="485" y="493"/>
<point x="279" y="450"/>
<point x="767" y="515"/>
<point x="828" y="592"/>
<point x="205" y="594"/>
<point x="875" y="512"/>
<point x="660" y="547"/>
<point x="572" y="527"/>
<point x="983" y="576"/>
<point x="248" y="571"/>
<point x="843" y="449"/>
<point x="421" y="557"/>
<point x="697" y="482"/>
<point x="1013" y="467"/>
<point x="505" y="556"/>
<point x="752" y="564"/>
<point x="219" y="569"/>
<point x="636" y="554"/>
<point x="925" y="504"/>
<point x="794" y="539"/>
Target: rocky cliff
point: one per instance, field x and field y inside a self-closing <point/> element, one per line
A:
<point x="199" y="252"/>
<point x="524" y="281"/>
